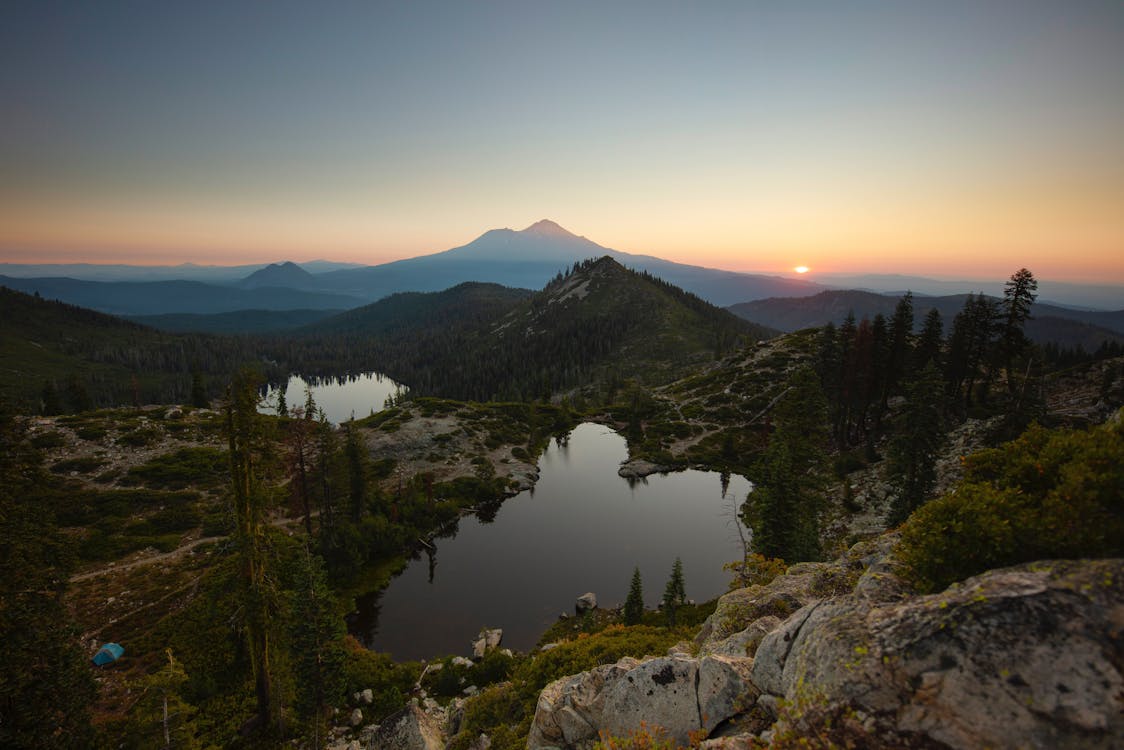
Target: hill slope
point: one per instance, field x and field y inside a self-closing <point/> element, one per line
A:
<point x="599" y="323"/>
<point x="115" y="361"/>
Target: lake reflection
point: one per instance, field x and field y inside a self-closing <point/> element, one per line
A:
<point x="338" y="397"/>
<point x="582" y="528"/>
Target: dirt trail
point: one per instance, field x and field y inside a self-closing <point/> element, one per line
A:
<point x="175" y="554"/>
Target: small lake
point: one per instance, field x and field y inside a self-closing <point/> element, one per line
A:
<point x="583" y="528"/>
<point x="339" y="397"/>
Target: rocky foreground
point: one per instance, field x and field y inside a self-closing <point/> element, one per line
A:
<point x="1029" y="656"/>
<point x="845" y="654"/>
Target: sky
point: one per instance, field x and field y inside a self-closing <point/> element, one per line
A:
<point x="956" y="139"/>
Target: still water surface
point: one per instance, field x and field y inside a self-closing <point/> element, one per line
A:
<point x="583" y="528"/>
<point x="340" y="398"/>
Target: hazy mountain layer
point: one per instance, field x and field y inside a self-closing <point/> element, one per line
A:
<point x="159" y="297"/>
<point x="1050" y="323"/>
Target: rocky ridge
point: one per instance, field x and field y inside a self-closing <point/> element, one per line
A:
<point x="1028" y="656"/>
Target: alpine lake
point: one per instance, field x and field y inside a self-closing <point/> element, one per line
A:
<point x="581" y="528"/>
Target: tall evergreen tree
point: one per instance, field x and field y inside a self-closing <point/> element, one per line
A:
<point x="316" y="643"/>
<point x="929" y="342"/>
<point x="52" y="404"/>
<point x="198" y="390"/>
<point x="912" y="451"/>
<point x="162" y="718"/>
<point x="246" y="440"/>
<point x="900" y="347"/>
<point x="675" y="593"/>
<point x="45" y="684"/>
<point x="634" y="604"/>
<point x="783" y="509"/>
<point x="356" y="471"/>
<point x="1018" y="297"/>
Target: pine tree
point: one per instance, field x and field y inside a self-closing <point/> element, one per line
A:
<point x="912" y="451"/>
<point x="245" y="436"/>
<point x="783" y="509"/>
<point x="162" y="718"/>
<point x="356" y="471"/>
<point x="1018" y="297"/>
<point x="901" y="347"/>
<point x="675" y="593"/>
<point x="45" y="684"/>
<point x="316" y="643"/>
<point x="928" y="347"/>
<point x="634" y="604"/>
<point x="198" y="390"/>
<point x="282" y="405"/>
<point x="78" y="395"/>
<point x="52" y="404"/>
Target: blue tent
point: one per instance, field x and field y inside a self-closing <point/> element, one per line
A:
<point x="108" y="654"/>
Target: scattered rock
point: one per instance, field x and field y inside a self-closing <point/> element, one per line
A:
<point x="356" y="718"/>
<point x="460" y="661"/>
<point x="586" y="602"/>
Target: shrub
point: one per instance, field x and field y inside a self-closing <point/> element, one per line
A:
<point x="82" y="465"/>
<point x="390" y="682"/>
<point x="1049" y="494"/>
<point x="48" y="440"/>
<point x="199" y="466"/>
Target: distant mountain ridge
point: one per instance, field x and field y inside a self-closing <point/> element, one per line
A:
<point x="1049" y="323"/>
<point x="160" y="297"/>
<point x="529" y="258"/>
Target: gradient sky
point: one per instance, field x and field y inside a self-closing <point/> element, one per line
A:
<point x="945" y="138"/>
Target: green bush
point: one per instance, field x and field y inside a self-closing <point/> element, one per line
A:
<point x="48" y="440"/>
<point x="198" y="467"/>
<point x="390" y="682"/>
<point x="605" y="647"/>
<point x="82" y="465"/>
<point x="1049" y="494"/>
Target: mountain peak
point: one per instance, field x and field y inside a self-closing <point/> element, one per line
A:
<point x="548" y="228"/>
<point x="285" y="274"/>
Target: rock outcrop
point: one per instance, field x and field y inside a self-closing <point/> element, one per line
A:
<point x="485" y="642"/>
<point x="679" y="694"/>
<point x="1030" y="656"/>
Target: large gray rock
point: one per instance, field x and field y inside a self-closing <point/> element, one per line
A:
<point x="486" y="641"/>
<point x="744" y="616"/>
<point x="586" y="602"/>
<point x="678" y="694"/>
<point x="1021" y="657"/>
<point x="409" y="729"/>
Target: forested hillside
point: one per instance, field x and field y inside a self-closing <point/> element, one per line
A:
<point x="598" y="322"/>
<point x="57" y="357"/>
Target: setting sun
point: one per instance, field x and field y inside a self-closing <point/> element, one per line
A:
<point x="801" y="269"/>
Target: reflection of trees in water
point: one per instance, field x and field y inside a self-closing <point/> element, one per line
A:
<point x="486" y="512"/>
<point x="635" y="481"/>
<point x="364" y="621"/>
